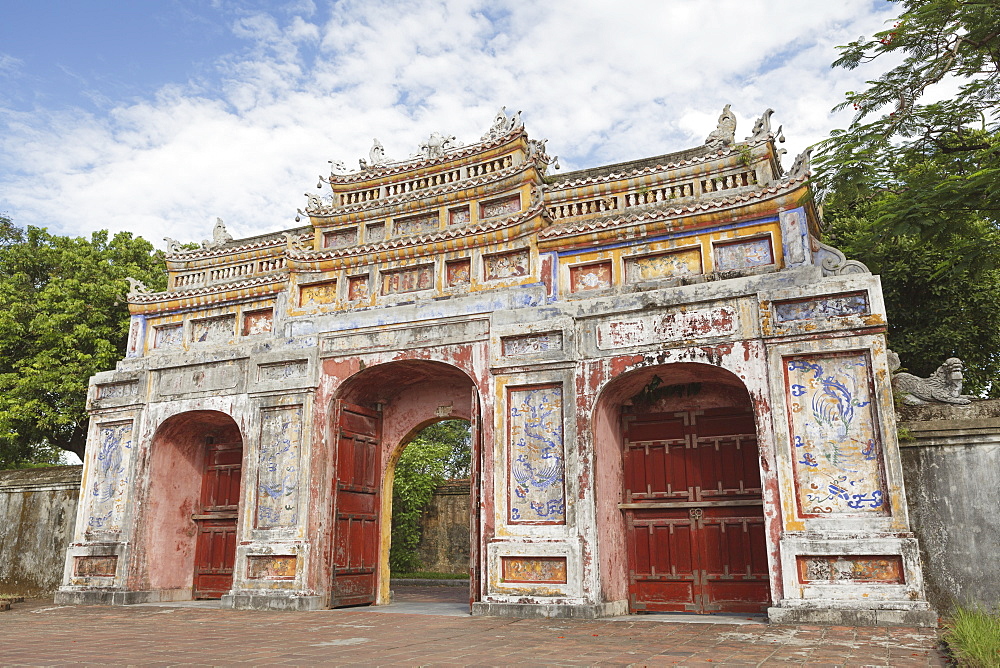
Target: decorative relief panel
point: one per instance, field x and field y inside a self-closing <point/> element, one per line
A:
<point x="459" y="272"/>
<point x="850" y="568"/>
<point x="459" y="216"/>
<point x="271" y="566"/>
<point x="118" y="390"/>
<point x="500" y="207"/>
<point x="551" y="570"/>
<point x="95" y="567"/>
<point x="341" y="238"/>
<point x="374" y="233"/>
<point x="278" y="467"/>
<point x="318" y="294"/>
<point x="531" y="344"/>
<point x="210" y="377"/>
<point x="744" y="254"/>
<point x="109" y="481"/>
<point x="408" y="280"/>
<point x="677" y="326"/>
<point x="213" y="330"/>
<point x="136" y="330"/>
<point x="283" y="370"/>
<point x="421" y="224"/>
<point x="258" y="322"/>
<point x="507" y="265"/>
<point x="357" y="287"/>
<point x="836" y="444"/>
<point x="536" y="489"/>
<point x="168" y="336"/>
<point x="828" y="306"/>
<point x="664" y="265"/>
<point x="590" y="276"/>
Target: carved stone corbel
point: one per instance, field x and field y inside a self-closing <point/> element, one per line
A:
<point x="833" y="262"/>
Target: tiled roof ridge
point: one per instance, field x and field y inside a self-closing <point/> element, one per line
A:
<point x="151" y="297"/>
<point x="272" y="239"/>
<point x="410" y="163"/>
<point x="427" y="192"/>
<point x="659" y="213"/>
<point x="659" y="167"/>
<point x="404" y="242"/>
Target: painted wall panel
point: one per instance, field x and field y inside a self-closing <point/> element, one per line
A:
<point x="837" y="450"/>
<point x="278" y="470"/>
<point x="536" y="489"/>
<point x="106" y="496"/>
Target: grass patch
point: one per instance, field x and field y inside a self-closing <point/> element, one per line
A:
<point x="973" y="636"/>
<point x="428" y="575"/>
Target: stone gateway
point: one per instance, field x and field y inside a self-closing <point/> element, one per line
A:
<point x="679" y="396"/>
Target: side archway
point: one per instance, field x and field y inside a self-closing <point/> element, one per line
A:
<point x="192" y="506"/>
<point x="679" y="493"/>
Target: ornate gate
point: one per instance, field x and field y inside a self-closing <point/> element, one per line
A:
<point x="694" y="512"/>
<point x="356" y="505"/>
<point x="215" y="549"/>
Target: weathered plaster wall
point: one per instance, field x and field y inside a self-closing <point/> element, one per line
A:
<point x="37" y="511"/>
<point x="952" y="472"/>
<point x="444" y="545"/>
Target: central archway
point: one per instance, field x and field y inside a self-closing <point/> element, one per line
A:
<point x="680" y="498"/>
<point x="377" y="411"/>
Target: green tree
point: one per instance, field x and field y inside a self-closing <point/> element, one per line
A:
<point x="932" y="316"/>
<point x="925" y="131"/>
<point x="63" y="317"/>
<point x="441" y="451"/>
<point x="911" y="186"/>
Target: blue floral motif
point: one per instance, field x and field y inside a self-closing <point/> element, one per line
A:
<point x="537" y="467"/>
<point x="835" y="434"/>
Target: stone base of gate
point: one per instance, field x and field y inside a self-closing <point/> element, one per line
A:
<point x="548" y="610"/>
<point x="74" y="596"/>
<point x="835" y="613"/>
<point x="268" y="601"/>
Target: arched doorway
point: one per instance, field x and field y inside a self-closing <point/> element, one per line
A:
<point x="376" y="413"/>
<point x="690" y="502"/>
<point x="193" y="504"/>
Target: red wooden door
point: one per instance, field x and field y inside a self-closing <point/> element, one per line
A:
<point x="694" y="513"/>
<point x="215" y="547"/>
<point x="356" y="506"/>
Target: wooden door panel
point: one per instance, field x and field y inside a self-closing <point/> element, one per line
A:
<point x="215" y="555"/>
<point x="657" y="470"/>
<point x="688" y="549"/>
<point x="215" y="543"/>
<point x="356" y="506"/>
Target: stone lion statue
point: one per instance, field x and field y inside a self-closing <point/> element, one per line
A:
<point x="944" y="386"/>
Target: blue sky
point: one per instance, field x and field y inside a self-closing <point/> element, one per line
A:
<point x="156" y="117"/>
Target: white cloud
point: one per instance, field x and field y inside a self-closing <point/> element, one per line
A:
<point x="601" y="82"/>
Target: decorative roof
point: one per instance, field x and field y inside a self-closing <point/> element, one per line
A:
<point x="662" y="213"/>
<point x="259" y="242"/>
<point x="538" y="208"/>
<point x="454" y="186"/>
<point x="152" y="297"/>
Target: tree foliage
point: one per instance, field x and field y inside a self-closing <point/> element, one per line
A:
<point x="63" y="317"/>
<point x="912" y="187"/>
<point x="931" y="316"/>
<point x="923" y="145"/>
<point x="441" y="451"/>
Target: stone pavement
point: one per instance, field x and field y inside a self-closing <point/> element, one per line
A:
<point x="420" y="630"/>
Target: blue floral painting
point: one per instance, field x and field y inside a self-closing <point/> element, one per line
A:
<point x="109" y="478"/>
<point x="536" y="477"/>
<point x="278" y="467"/>
<point x="835" y="436"/>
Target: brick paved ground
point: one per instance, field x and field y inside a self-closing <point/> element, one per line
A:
<point x="37" y="633"/>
